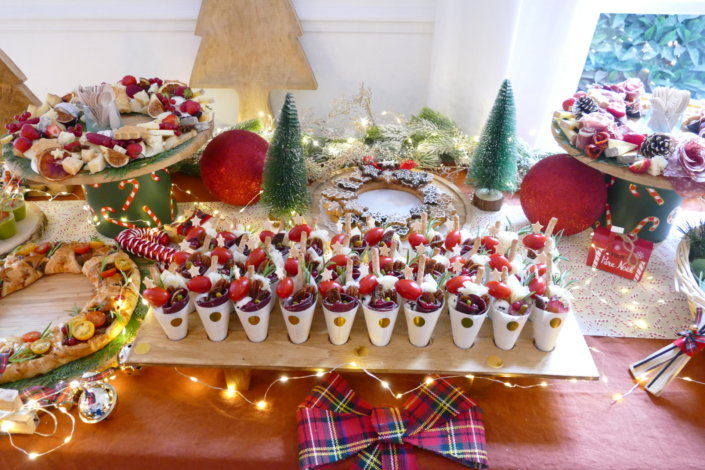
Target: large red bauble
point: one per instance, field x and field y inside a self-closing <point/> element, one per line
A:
<point x="562" y="187"/>
<point x="231" y="166"/>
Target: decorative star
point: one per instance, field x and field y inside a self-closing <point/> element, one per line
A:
<point x="457" y="266"/>
<point x="194" y="271"/>
<point x="185" y="246"/>
<point x="420" y="249"/>
<point x="415" y="226"/>
<point x="457" y="249"/>
<point x="336" y="248"/>
<point x="294" y="252"/>
<point x="252" y="243"/>
<point x="536" y="227"/>
<point x="148" y="282"/>
<point x="268" y="225"/>
<point x="495" y="275"/>
<point x="408" y="272"/>
<point x="384" y="250"/>
<point x="220" y="240"/>
<point x="327" y="275"/>
<point x="449" y="224"/>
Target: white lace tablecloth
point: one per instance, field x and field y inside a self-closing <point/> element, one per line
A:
<point x="605" y="304"/>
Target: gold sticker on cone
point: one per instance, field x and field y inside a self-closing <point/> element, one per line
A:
<point x="555" y="322"/>
<point x="215" y="316"/>
<point x="176" y="322"/>
<point x="512" y="325"/>
<point x="419" y="321"/>
<point x="384" y="322"/>
<point x="339" y="321"/>
<point x="293" y="319"/>
<point x="467" y="322"/>
<point x="253" y="320"/>
<point x="142" y="348"/>
<point x="495" y="362"/>
<point x="361" y="351"/>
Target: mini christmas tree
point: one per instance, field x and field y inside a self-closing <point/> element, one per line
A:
<point x="494" y="166"/>
<point x="284" y="181"/>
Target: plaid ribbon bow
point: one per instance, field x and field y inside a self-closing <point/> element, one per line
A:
<point x="335" y="424"/>
<point x="692" y="341"/>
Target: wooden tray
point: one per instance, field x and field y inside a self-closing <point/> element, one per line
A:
<point x="570" y="359"/>
<point x="32" y="225"/>
<point x="609" y="169"/>
<point x="460" y="200"/>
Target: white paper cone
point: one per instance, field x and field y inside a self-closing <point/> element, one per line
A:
<point x="464" y="327"/>
<point x="547" y="327"/>
<point x="421" y="325"/>
<point x="298" y="324"/>
<point x="256" y="324"/>
<point x="507" y="328"/>
<point x="380" y="324"/>
<point x="175" y="325"/>
<point x="215" y="320"/>
<point x="339" y="324"/>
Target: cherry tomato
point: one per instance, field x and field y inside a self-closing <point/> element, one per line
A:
<point x="285" y="288"/>
<point x="199" y="284"/>
<point x="408" y="289"/>
<point x="239" y="288"/>
<point x="498" y="262"/>
<point x="325" y="286"/>
<point x="295" y="232"/>
<point x="264" y="234"/>
<point x="81" y="248"/>
<point x="195" y="232"/>
<point x="156" y="296"/>
<point x="291" y="266"/>
<point x="222" y="253"/>
<point x="384" y="260"/>
<point x="337" y="239"/>
<point x="256" y="257"/>
<point x="340" y="260"/>
<point x="452" y="239"/>
<point x="416" y="239"/>
<point x="97" y="317"/>
<point x="108" y="273"/>
<point x="538" y="268"/>
<point x="95" y="244"/>
<point x="31" y="337"/>
<point x="535" y="241"/>
<point x="43" y="248"/>
<point x="490" y="243"/>
<point x="83" y="330"/>
<point x="537" y="286"/>
<point x="227" y="236"/>
<point x="452" y="285"/>
<point x="368" y="284"/>
<point x="180" y="257"/>
<point x="26" y="249"/>
<point x="456" y="259"/>
<point x="123" y="264"/>
<point x="40" y="347"/>
<point x="374" y="235"/>
<point x="499" y="290"/>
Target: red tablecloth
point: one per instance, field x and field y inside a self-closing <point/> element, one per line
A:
<point x="163" y="420"/>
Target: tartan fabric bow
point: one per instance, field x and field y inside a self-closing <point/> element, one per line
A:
<point x="335" y="424"/>
<point x="692" y="341"/>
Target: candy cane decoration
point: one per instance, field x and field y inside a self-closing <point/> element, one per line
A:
<point x="608" y="216"/>
<point x="152" y="215"/>
<point x="95" y="185"/>
<point x="155" y="177"/>
<point x="654" y="221"/>
<point x="104" y="212"/>
<point x="130" y="197"/>
<point x="149" y="243"/>
<point x="657" y="197"/>
<point x="671" y="216"/>
<point x="613" y="180"/>
<point x="633" y="190"/>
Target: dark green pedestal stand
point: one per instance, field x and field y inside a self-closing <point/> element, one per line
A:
<point x="640" y="209"/>
<point x="142" y="201"/>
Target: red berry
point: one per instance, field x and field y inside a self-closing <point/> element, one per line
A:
<point x="73" y="146"/>
<point x="568" y="104"/>
<point x="134" y="150"/>
<point x="128" y="80"/>
<point x="190" y="107"/>
<point x="28" y="131"/>
<point x="22" y="144"/>
<point x="133" y="89"/>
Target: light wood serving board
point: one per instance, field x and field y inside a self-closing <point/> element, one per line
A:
<point x="570" y="359"/>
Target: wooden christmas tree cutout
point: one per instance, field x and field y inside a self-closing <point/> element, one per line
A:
<point x="253" y="47"/>
<point x="14" y="94"/>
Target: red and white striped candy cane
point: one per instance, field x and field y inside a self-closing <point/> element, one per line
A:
<point x="633" y="190"/>
<point x="671" y="216"/>
<point x="130" y="197"/>
<point x="151" y="215"/>
<point x="95" y="185"/>
<point x="654" y="221"/>
<point x="155" y="177"/>
<point x="608" y="216"/>
<point x="104" y="212"/>
<point x="149" y="243"/>
<point x="657" y="197"/>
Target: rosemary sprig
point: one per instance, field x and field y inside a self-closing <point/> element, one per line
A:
<point x="24" y="353"/>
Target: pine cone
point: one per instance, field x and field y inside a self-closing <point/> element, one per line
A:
<point x="657" y="144"/>
<point x="584" y="105"/>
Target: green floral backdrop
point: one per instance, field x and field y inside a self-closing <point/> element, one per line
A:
<point x="662" y="50"/>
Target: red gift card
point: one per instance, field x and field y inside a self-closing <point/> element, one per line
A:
<point x="620" y="254"/>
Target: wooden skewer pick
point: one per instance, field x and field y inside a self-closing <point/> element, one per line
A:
<point x="349" y="271"/>
<point x="549" y="272"/>
<point x="304" y="241"/>
<point x="422" y="267"/>
<point x="267" y="243"/>
<point x="375" y="261"/>
<point x="494" y="230"/>
<point x="475" y="246"/>
<point x="250" y="271"/>
<point x="551" y="225"/>
<point x="393" y="248"/>
<point x="370" y="222"/>
<point x="456" y="222"/>
<point x="424" y="222"/>
<point x="480" y="275"/>
<point x="513" y="250"/>
<point x="214" y="264"/>
<point x="348" y="223"/>
<point x="505" y="274"/>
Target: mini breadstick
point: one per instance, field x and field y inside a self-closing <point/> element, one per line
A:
<point x="304" y="240"/>
<point x="513" y="250"/>
<point x="551" y="225"/>
<point x="475" y="246"/>
<point x="349" y="271"/>
<point x="214" y="264"/>
<point x="422" y="267"/>
<point x="424" y="222"/>
<point x="250" y="271"/>
<point x="370" y="222"/>
<point x="348" y="223"/>
<point x="436" y="251"/>
<point x="375" y="261"/>
<point x="207" y="242"/>
<point x="549" y="272"/>
<point x="393" y="248"/>
<point x="505" y="274"/>
<point x="494" y="230"/>
<point x="479" y="275"/>
<point x="267" y="243"/>
<point x="243" y="242"/>
<point x="456" y="222"/>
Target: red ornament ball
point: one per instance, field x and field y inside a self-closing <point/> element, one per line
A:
<point x="562" y="187"/>
<point x="231" y="166"/>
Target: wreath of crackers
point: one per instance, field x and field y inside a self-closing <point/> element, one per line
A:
<point x="116" y="281"/>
